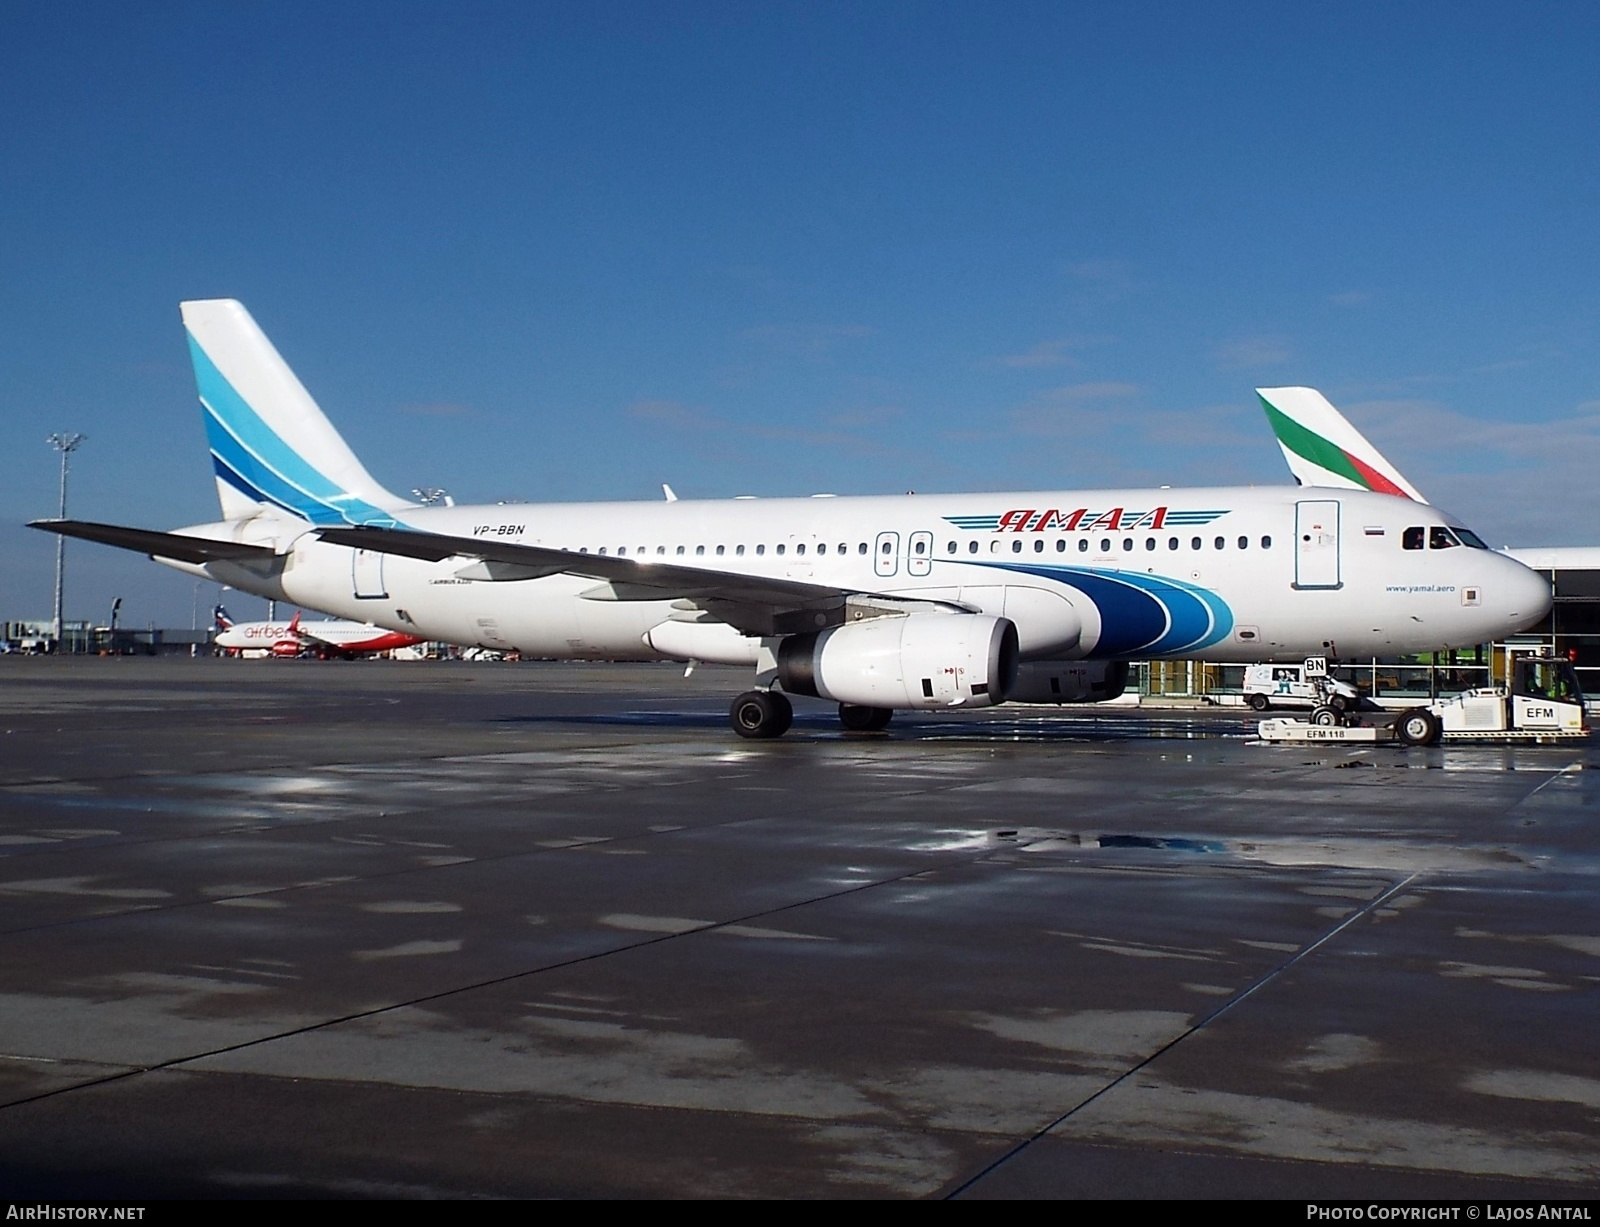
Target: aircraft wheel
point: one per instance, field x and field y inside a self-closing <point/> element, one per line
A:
<point x="1326" y="716"/>
<point x="1417" y="727"/>
<point x="1339" y="703"/>
<point x="1259" y="702"/>
<point x="761" y="714"/>
<point x="859" y="719"/>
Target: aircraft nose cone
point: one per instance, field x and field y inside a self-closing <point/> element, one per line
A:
<point x="1528" y="596"/>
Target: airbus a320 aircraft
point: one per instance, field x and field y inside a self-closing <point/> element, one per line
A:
<point x="340" y="638"/>
<point x="876" y="603"/>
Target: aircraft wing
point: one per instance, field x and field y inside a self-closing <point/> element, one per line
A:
<point x="752" y="604"/>
<point x="157" y="545"/>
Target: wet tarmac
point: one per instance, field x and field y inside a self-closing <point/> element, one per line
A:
<point x="282" y="928"/>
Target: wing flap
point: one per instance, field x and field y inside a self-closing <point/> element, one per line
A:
<point x="631" y="579"/>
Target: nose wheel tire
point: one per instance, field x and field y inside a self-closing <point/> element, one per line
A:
<point x="1417" y="727"/>
<point x="859" y="719"/>
<point x="761" y="714"/>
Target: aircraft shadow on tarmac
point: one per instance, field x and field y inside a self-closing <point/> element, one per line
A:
<point x="916" y="727"/>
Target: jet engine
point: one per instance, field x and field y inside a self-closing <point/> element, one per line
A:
<point x="922" y="660"/>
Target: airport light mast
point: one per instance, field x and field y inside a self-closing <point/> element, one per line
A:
<point x="65" y="442"/>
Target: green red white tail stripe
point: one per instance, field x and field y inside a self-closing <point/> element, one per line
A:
<point x="1323" y="449"/>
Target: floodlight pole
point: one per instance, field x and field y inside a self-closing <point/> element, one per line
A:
<point x="65" y="442"/>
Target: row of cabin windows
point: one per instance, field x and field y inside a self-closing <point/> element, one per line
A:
<point x="952" y="547"/>
<point x="738" y="550"/>
<point x="1128" y="544"/>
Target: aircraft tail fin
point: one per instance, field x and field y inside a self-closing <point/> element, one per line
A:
<point x="270" y="443"/>
<point x="224" y="622"/>
<point x="1323" y="449"/>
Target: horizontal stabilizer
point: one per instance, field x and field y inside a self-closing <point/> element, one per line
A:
<point x="157" y="545"/>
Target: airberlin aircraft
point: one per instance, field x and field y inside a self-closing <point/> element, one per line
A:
<point x="875" y="603"/>
<point x="340" y="638"/>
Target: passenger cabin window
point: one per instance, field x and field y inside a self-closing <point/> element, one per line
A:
<point x="781" y="548"/>
<point x="1222" y="543"/>
<point x="1172" y="543"/>
<point x="1266" y="543"/>
<point x="888" y="547"/>
<point x="1441" y="539"/>
<point x="972" y="547"/>
<point x="722" y="549"/>
<point x="862" y="548"/>
<point x="1194" y="543"/>
<point x="761" y="549"/>
<point x="699" y="549"/>
<point x="1083" y="545"/>
<point x="950" y="547"/>
<point x="680" y="551"/>
<point x="1105" y="545"/>
<point x="739" y="550"/>
<point x="1038" y="545"/>
<point x="1061" y="545"/>
<point x="822" y="547"/>
<point x="1016" y="547"/>
<point x="1127" y="544"/>
<point x="1149" y="543"/>
<point x="1411" y="539"/>
<point x="1244" y="543"/>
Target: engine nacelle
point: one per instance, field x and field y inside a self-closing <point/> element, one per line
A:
<point x="1070" y="681"/>
<point x="926" y="661"/>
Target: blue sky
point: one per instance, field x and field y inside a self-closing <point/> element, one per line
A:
<point x="551" y="251"/>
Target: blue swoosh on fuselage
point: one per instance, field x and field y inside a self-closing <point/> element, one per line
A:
<point x="1148" y="615"/>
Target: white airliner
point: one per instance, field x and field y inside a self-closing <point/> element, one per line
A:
<point x="876" y="603"/>
<point x="294" y="637"/>
<point x="1323" y="449"/>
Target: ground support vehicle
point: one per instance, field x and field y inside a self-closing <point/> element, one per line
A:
<point x="1298" y="685"/>
<point x="1542" y="704"/>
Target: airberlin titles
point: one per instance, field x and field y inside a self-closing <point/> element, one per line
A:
<point x="1083" y="520"/>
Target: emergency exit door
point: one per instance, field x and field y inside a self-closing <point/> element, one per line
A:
<point x="1316" y="544"/>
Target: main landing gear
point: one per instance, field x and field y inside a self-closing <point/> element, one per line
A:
<point x="761" y="714"/>
<point x="764" y="714"/>
<point x="858" y="719"/>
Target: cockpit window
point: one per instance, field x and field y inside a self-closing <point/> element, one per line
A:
<point x="1441" y="539"/>
<point x="1468" y="537"/>
<point x="1411" y="539"/>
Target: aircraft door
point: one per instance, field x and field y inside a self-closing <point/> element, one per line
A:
<point x="1316" y="544"/>
<point x="919" y="559"/>
<point x="886" y="554"/>
<point x="366" y="575"/>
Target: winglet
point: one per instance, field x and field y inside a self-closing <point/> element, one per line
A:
<point x="669" y="492"/>
<point x="1323" y="449"/>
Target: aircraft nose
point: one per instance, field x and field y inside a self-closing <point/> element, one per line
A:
<point x="1527" y="596"/>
